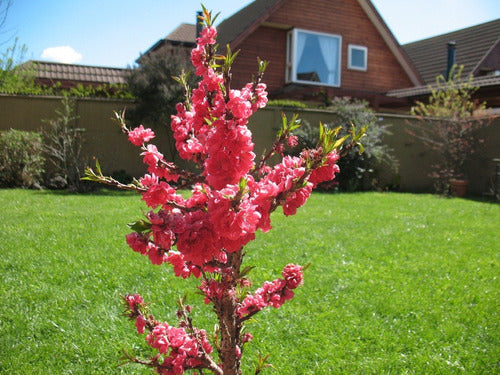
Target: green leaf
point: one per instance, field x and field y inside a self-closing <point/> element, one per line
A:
<point x="246" y="270"/>
<point x="140" y="226"/>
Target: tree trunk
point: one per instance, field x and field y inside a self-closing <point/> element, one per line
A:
<point x="230" y="325"/>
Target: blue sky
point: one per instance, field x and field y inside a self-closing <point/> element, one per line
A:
<point x="115" y="32"/>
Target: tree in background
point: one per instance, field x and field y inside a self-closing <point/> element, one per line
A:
<point x="12" y="77"/>
<point x="448" y="124"/>
<point x="156" y="91"/>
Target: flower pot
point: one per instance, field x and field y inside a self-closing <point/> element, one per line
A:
<point x="458" y="187"/>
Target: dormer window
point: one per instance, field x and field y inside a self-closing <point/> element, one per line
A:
<point x="313" y="58"/>
<point x="357" y="57"/>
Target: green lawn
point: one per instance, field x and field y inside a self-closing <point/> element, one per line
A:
<point x="399" y="284"/>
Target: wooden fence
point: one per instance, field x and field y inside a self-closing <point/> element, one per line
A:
<point x="104" y="140"/>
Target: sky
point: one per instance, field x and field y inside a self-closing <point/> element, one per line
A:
<point x="115" y="32"/>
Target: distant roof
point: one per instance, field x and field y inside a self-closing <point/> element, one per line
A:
<point x="473" y="45"/>
<point x="483" y="81"/>
<point x="185" y="32"/>
<point x="59" y="71"/>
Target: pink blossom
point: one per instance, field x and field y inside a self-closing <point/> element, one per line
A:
<point x="238" y="105"/>
<point x="181" y="268"/>
<point x="198" y="242"/>
<point x="148" y="180"/>
<point x="293" y="275"/>
<point x="327" y="171"/>
<point x="292" y="141"/>
<point x="297" y="199"/>
<point x="251" y="304"/>
<point x="140" y="135"/>
<point x="208" y="35"/>
<point x="133" y="300"/>
<point x="152" y="156"/>
<point x="156" y="254"/>
<point x="140" y="324"/>
<point x="138" y="242"/>
<point x="160" y="194"/>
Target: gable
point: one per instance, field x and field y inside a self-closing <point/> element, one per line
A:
<point x="348" y="19"/>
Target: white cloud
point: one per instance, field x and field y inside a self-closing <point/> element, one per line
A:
<point x="63" y="54"/>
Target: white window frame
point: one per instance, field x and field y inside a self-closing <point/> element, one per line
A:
<point x="349" y="57"/>
<point x="291" y="64"/>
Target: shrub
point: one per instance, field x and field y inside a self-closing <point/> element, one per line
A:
<point x="63" y="145"/>
<point x="358" y="171"/>
<point x="447" y="124"/>
<point x="286" y="103"/>
<point x="21" y="158"/>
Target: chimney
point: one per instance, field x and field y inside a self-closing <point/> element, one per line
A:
<point x="450" y="59"/>
<point x="199" y="25"/>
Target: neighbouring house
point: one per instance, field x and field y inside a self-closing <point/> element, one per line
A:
<point x="477" y="48"/>
<point x="316" y="48"/>
<point x="179" y="42"/>
<point x="67" y="76"/>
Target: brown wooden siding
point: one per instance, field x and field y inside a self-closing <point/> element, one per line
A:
<point x="340" y="17"/>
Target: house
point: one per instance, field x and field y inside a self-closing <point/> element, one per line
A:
<point x="67" y="76"/>
<point x="179" y="42"/>
<point x="315" y="48"/>
<point x="477" y="48"/>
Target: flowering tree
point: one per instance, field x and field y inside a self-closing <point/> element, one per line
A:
<point x="448" y="124"/>
<point x="203" y="235"/>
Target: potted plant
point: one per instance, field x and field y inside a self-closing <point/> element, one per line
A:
<point x="448" y="124"/>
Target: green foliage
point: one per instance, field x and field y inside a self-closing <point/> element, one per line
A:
<point x="416" y="294"/>
<point x="358" y="170"/>
<point x="156" y="91"/>
<point x="63" y="142"/>
<point x="448" y="124"/>
<point x="286" y="103"/>
<point x="13" y="77"/>
<point x="21" y="158"/>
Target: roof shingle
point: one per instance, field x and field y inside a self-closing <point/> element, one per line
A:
<point x="472" y="44"/>
<point x="82" y="73"/>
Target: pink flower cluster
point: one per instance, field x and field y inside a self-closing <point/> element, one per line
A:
<point x="272" y="293"/>
<point x="231" y="199"/>
<point x="220" y="217"/>
<point x="180" y="350"/>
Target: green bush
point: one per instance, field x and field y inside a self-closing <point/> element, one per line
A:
<point x="21" y="158"/>
<point x="358" y="171"/>
<point x="286" y="103"/>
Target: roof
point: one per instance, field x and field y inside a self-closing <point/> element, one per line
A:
<point x="83" y="73"/>
<point x="241" y="24"/>
<point x="233" y="29"/>
<point x="483" y="81"/>
<point x="473" y="45"/>
<point x="185" y="32"/>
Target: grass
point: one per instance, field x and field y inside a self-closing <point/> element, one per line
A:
<point x="399" y="284"/>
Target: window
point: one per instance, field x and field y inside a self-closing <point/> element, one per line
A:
<point x="313" y="58"/>
<point x="358" y="57"/>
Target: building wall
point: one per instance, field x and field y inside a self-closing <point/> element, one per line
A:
<point x="340" y="17"/>
<point x="105" y="141"/>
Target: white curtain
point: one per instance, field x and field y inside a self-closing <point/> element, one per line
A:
<point x="301" y="44"/>
<point x="330" y="52"/>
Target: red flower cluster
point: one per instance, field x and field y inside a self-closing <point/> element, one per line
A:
<point x="181" y="350"/>
<point x="272" y="293"/>
<point x="203" y="234"/>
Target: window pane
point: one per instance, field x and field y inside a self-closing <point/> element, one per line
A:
<point x="358" y="58"/>
<point x="317" y="58"/>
